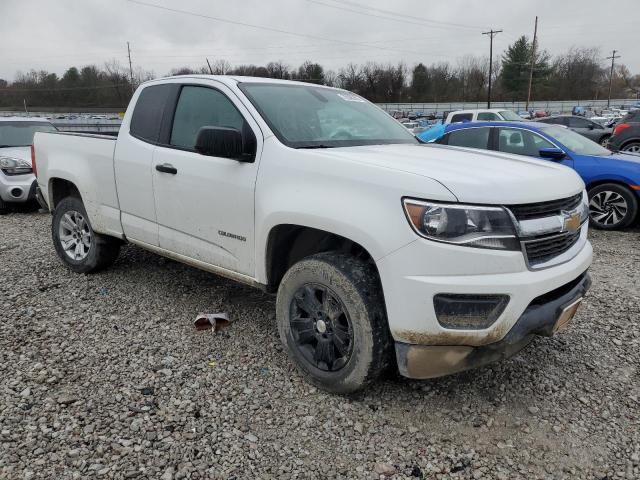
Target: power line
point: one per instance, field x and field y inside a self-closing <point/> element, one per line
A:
<point x="266" y="28"/>
<point x="613" y="58"/>
<point x="414" y="21"/>
<point x="411" y="17"/>
<point x="492" y="33"/>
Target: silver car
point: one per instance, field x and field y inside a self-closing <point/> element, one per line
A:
<point x="17" y="181"/>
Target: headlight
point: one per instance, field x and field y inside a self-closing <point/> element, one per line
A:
<point x="14" y="166"/>
<point x="468" y="225"/>
<point x="583" y="209"/>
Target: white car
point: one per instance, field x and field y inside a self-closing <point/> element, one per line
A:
<point x="383" y="251"/>
<point x="484" y="115"/>
<point x="17" y="182"/>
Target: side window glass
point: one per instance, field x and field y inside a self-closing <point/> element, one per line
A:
<point x="470" y="137"/>
<point x="462" y="117"/>
<point x="521" y="142"/>
<point x="578" y="122"/>
<point x="489" y="116"/>
<point x="202" y="107"/>
<point x="147" y="114"/>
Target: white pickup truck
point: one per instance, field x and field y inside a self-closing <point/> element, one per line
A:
<point x="384" y="252"/>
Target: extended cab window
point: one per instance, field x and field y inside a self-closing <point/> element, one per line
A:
<point x="462" y="117"/>
<point x="147" y="114"/>
<point x="470" y="137"/>
<point x="202" y="107"/>
<point x="489" y="116"/>
<point x="521" y="142"/>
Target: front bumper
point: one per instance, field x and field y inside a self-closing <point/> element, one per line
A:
<point x="413" y="275"/>
<point x="17" y="188"/>
<point x="539" y="318"/>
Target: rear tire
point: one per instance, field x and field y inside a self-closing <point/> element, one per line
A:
<point x="332" y="322"/>
<point x="604" y="141"/>
<point x="612" y="206"/>
<point x="80" y="248"/>
<point x="633" y="147"/>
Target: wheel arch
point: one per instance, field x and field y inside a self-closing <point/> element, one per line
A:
<point x="617" y="181"/>
<point x="288" y="243"/>
<point x="60" y="188"/>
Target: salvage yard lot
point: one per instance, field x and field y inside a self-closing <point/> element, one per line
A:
<point x="105" y="376"/>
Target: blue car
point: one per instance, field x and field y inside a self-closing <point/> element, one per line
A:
<point x="612" y="179"/>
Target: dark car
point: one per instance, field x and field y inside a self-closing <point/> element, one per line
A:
<point x="626" y="135"/>
<point x="585" y="127"/>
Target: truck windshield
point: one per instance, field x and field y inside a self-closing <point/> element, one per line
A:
<point x="317" y="117"/>
<point x="20" y="134"/>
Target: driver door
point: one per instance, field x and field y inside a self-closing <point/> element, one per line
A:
<point x="205" y="204"/>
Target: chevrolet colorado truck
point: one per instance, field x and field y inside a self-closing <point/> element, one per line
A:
<point x="384" y="252"/>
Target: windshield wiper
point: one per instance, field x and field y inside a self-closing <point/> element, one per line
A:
<point x="308" y="147"/>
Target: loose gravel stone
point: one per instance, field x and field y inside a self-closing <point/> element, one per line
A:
<point x="104" y="376"/>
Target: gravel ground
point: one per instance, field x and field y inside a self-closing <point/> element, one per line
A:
<point x="104" y="376"/>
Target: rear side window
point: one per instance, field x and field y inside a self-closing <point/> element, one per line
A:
<point x="554" y="120"/>
<point x="577" y="122"/>
<point x="490" y="116"/>
<point x="462" y="117"/>
<point x="202" y="107"/>
<point x="147" y="114"/>
<point x="470" y="137"/>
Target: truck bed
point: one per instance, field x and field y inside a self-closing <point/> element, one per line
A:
<point x="86" y="160"/>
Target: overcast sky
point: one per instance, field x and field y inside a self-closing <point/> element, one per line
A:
<point x="55" y="34"/>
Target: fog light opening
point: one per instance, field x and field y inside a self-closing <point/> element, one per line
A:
<point x="16" y="192"/>
<point x="468" y="312"/>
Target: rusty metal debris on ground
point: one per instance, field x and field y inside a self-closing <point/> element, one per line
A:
<point x="212" y="321"/>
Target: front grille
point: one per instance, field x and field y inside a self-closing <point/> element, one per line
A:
<point x="545" y="249"/>
<point x="545" y="209"/>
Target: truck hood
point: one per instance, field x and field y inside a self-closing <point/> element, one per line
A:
<point x="473" y="176"/>
<point x="23" y="153"/>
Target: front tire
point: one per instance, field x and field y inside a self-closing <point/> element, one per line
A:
<point x="612" y="206"/>
<point x="604" y="141"/>
<point x="332" y="322"/>
<point x="80" y="248"/>
<point x="4" y="208"/>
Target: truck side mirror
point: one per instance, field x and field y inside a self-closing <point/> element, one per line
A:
<point x="222" y="142"/>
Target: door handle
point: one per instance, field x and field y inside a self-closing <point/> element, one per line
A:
<point x="167" y="168"/>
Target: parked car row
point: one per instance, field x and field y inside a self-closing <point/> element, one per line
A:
<point x="612" y="179"/>
<point x="17" y="181"/>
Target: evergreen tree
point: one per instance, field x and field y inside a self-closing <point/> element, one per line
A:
<point x="516" y="65"/>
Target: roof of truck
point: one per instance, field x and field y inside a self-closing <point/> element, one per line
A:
<point x="228" y="79"/>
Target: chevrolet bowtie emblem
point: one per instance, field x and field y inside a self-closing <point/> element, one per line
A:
<point x="571" y="222"/>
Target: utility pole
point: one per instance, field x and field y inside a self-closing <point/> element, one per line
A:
<point x="130" y="67"/>
<point x="533" y="62"/>
<point x="613" y="59"/>
<point x="492" y="33"/>
<point x="210" y="69"/>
